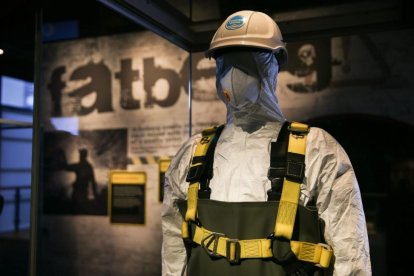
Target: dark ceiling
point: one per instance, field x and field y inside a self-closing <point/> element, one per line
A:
<point x="17" y="29"/>
<point x="17" y="39"/>
<point x="188" y="23"/>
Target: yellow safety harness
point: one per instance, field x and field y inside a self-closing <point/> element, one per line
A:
<point x="235" y="250"/>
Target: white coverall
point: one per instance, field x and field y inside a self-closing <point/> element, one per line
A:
<point x="241" y="163"/>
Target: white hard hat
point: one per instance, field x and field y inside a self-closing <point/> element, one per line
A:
<point x="249" y="29"/>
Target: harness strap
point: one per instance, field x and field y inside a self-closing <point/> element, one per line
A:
<point x="277" y="169"/>
<point x="218" y="245"/>
<point x="197" y="170"/>
<point x="286" y="214"/>
<point x="198" y="164"/>
<point x="192" y="201"/>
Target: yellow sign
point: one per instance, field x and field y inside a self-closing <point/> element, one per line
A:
<point x="127" y="197"/>
<point x="164" y="164"/>
<point x="125" y="177"/>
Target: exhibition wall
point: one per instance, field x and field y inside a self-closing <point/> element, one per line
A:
<point x="121" y="103"/>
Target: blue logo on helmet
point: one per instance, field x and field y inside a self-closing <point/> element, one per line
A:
<point x="236" y="22"/>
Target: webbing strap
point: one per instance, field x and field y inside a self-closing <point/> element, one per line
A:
<point x="278" y="150"/>
<point x="192" y="201"/>
<point x="319" y="254"/>
<point x="235" y="250"/>
<point x="221" y="245"/>
<point x="277" y="169"/>
<point x="286" y="214"/>
<point x="197" y="168"/>
<point x="198" y="161"/>
<point x="297" y="138"/>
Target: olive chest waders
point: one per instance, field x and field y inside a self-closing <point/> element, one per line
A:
<point x="275" y="237"/>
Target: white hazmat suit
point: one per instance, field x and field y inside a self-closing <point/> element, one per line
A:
<point x="241" y="163"/>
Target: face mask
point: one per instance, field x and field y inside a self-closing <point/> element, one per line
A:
<point x="239" y="89"/>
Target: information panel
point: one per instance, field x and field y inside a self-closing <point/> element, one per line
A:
<point x="127" y="197"/>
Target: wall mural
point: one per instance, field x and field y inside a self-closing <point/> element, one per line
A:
<point x="365" y="74"/>
<point x="76" y="169"/>
<point x="121" y="103"/>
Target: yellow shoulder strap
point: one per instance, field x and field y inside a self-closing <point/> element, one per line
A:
<point x="196" y="167"/>
<point x="286" y="214"/>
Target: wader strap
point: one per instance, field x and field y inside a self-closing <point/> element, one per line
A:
<point x="277" y="168"/>
<point x="198" y="164"/>
<point x="192" y="201"/>
<point x="295" y="170"/>
<point x="218" y="245"/>
<point x="199" y="172"/>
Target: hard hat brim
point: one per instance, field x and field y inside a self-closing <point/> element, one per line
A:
<point x="279" y="51"/>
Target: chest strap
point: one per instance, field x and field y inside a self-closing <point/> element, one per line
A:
<point x="218" y="245"/>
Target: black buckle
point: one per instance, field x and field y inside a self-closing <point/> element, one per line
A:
<point x="194" y="173"/>
<point x="295" y="170"/>
<point x="213" y="237"/>
<point x="297" y="132"/>
<point x="274" y="172"/>
<point x="204" y="193"/>
<point x="236" y="258"/>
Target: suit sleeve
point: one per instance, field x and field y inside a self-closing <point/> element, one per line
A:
<point x="333" y="183"/>
<point x="174" y="256"/>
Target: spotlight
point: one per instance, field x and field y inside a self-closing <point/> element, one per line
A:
<point x="1" y="51"/>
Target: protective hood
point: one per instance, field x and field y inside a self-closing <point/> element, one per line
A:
<point x="246" y="83"/>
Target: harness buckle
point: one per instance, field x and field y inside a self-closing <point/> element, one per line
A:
<point x="327" y="247"/>
<point x="194" y="173"/>
<point x="276" y="172"/>
<point x="207" y="241"/>
<point x="233" y="256"/>
<point x="295" y="170"/>
<point x="298" y="132"/>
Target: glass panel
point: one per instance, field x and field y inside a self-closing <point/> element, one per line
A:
<point x="16" y="92"/>
<point x="16" y="148"/>
<point x="17" y="116"/>
<point x="17" y="34"/>
<point x="16" y="178"/>
<point x="111" y="101"/>
<point x="17" y="133"/>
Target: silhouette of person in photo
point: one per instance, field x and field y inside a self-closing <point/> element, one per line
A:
<point x="56" y="86"/>
<point x="85" y="179"/>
